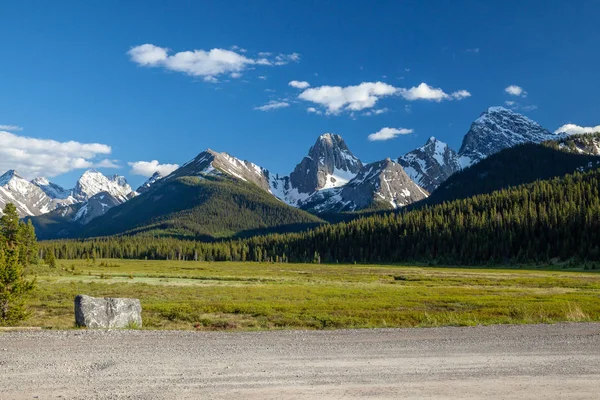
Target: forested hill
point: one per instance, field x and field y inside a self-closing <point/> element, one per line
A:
<point x="205" y="208"/>
<point x="558" y="218"/>
<point x="514" y="166"/>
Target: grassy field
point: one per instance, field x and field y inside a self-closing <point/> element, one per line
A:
<point x="248" y="296"/>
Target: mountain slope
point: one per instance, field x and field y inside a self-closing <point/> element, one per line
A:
<point x="207" y="207"/>
<point x="431" y="164"/>
<point x="210" y="162"/>
<point x="151" y="181"/>
<point x="514" y="166"/>
<point x="496" y="129"/>
<point x="27" y="197"/>
<point x="379" y="185"/>
<point x="587" y="143"/>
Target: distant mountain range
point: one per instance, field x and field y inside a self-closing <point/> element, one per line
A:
<point x="329" y="179"/>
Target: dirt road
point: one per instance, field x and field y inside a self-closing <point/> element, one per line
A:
<point x="521" y="362"/>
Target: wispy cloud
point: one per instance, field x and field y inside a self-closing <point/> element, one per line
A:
<point x="389" y="133"/>
<point x="206" y="64"/>
<point x="515" y="90"/>
<point x="34" y="157"/>
<point x="273" y="105"/>
<point x="518" y="106"/>
<point x="377" y="111"/>
<point x="148" y="168"/>
<point x="12" y="128"/>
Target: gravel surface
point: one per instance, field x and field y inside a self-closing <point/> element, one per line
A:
<point x="522" y="362"/>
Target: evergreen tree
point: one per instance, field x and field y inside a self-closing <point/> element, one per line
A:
<point x="14" y="287"/>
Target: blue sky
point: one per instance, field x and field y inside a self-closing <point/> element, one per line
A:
<point x="74" y="71"/>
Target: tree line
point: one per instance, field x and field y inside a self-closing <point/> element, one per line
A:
<point x="557" y="218"/>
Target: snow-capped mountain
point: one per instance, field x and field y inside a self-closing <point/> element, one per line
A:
<point x="210" y="162"/>
<point x="93" y="182"/>
<point x="329" y="164"/>
<point x="496" y="129"/>
<point x="151" y="181"/>
<point x="431" y="164"/>
<point x="40" y="196"/>
<point x="27" y="197"/>
<point x="95" y="206"/>
<point x="379" y="184"/>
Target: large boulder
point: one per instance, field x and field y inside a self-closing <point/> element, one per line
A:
<point x="95" y="312"/>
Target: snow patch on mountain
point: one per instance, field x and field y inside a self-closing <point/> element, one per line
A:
<point x="430" y="164"/>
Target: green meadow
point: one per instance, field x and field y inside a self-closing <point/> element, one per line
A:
<point x="259" y="296"/>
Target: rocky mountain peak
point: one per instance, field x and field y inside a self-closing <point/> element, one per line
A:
<point x="93" y="182"/>
<point x="215" y="163"/>
<point x="430" y="164"/>
<point x="381" y="184"/>
<point x="27" y="197"/>
<point x="8" y="176"/>
<point x="329" y="164"/>
<point x="498" y="128"/>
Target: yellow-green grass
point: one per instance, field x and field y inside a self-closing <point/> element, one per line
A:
<point x="249" y="296"/>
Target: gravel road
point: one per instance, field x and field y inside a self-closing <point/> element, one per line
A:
<point x="505" y="362"/>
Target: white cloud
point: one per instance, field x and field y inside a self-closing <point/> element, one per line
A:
<point x="510" y="103"/>
<point x="515" y="90"/>
<point x="389" y="133"/>
<point x="207" y="64"/>
<point x="426" y="92"/>
<point x="572" y="129"/>
<point x="272" y="105"/>
<point x="106" y="163"/>
<point x="299" y="84"/>
<point x="313" y="110"/>
<point x="351" y="98"/>
<point x="148" y="168"/>
<point x="235" y="75"/>
<point x="10" y="128"/>
<point x="376" y="112"/>
<point x="474" y="50"/>
<point x="262" y="77"/>
<point x="336" y="99"/>
<point x="44" y="157"/>
<point x="460" y="94"/>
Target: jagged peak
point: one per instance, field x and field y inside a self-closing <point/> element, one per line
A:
<point x="330" y="140"/>
<point x="40" y="180"/>
<point x="498" y="111"/>
<point x="331" y="137"/>
<point x="8" y="176"/>
<point x="91" y="171"/>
